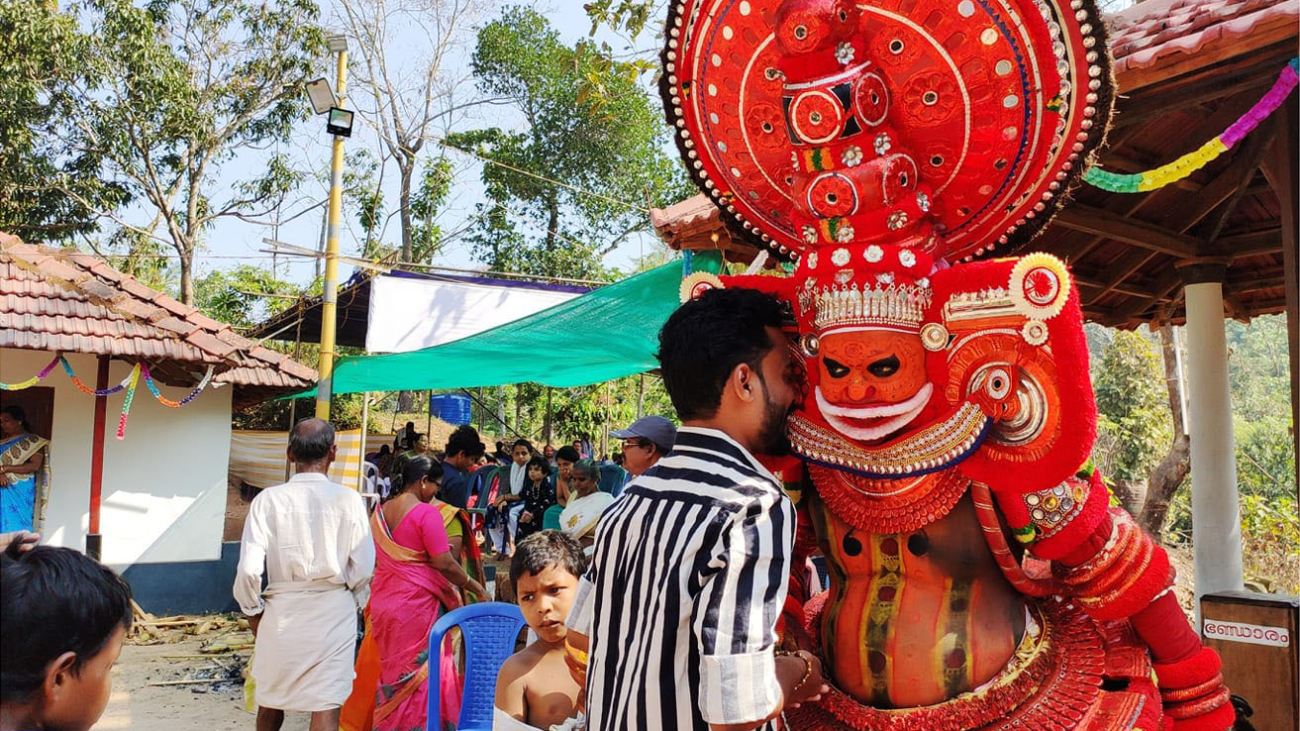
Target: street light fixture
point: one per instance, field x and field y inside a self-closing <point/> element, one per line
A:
<point x="336" y="43"/>
<point x="339" y="122"/>
<point x="321" y="96"/>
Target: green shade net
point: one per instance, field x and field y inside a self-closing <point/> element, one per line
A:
<point x="599" y="336"/>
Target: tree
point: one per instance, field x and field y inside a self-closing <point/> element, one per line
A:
<point x="42" y="53"/>
<point x="173" y="91"/>
<point x="405" y="102"/>
<point x="244" y="295"/>
<point x="588" y="162"/>
<point x="1172" y="470"/>
<point x="1132" y="415"/>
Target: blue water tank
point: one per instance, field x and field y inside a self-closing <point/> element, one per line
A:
<point x="452" y="408"/>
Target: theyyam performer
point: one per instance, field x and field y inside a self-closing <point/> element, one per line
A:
<point x="894" y="151"/>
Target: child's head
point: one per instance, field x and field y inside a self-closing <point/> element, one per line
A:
<point x="65" y="617"/>
<point x="538" y="469"/>
<point x="545" y="572"/>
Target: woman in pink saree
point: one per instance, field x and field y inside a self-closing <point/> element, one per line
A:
<point x="417" y="579"/>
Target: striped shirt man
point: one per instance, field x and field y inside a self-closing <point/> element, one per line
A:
<point x="684" y="590"/>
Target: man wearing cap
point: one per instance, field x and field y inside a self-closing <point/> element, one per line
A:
<point x="645" y="442"/>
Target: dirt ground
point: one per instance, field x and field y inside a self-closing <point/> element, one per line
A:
<point x="136" y="706"/>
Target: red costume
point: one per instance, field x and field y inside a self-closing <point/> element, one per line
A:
<point x="892" y="149"/>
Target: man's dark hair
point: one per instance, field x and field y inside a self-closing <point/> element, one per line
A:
<point x="540" y="551"/>
<point x="706" y="338"/>
<point x="54" y="600"/>
<point x="310" y="440"/>
<point x="568" y="454"/>
<point x="465" y="441"/>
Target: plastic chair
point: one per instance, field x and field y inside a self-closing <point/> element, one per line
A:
<point x="551" y="519"/>
<point x="489" y="632"/>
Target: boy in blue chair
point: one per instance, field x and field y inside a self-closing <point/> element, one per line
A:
<point x="534" y="688"/>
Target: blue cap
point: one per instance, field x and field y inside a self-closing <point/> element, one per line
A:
<point x="655" y="428"/>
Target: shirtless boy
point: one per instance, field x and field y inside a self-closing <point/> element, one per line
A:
<point x="534" y="688"/>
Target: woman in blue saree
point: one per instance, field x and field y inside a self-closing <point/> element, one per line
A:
<point x="23" y="468"/>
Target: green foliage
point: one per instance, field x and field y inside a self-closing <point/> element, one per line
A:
<point x="1134" y="423"/>
<point x="586" y="123"/>
<point x="162" y="96"/>
<point x="42" y="54"/>
<point x="435" y="186"/>
<point x="236" y="296"/>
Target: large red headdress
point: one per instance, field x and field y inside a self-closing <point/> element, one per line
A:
<point x="950" y="126"/>
<point x="875" y="143"/>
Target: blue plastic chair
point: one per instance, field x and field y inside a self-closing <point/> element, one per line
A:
<point x="489" y="632"/>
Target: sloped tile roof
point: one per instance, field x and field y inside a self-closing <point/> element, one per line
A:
<point x="1144" y="34"/>
<point x="69" y="301"/>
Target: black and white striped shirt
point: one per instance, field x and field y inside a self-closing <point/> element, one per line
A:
<point x="685" y="587"/>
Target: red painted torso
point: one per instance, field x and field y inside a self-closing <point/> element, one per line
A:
<point x="914" y="619"/>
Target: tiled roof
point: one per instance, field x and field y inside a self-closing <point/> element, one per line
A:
<point x="1144" y="34"/>
<point x="65" y="300"/>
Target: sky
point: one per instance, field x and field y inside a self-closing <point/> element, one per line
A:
<point x="233" y="242"/>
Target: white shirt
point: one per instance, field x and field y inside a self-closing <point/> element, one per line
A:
<point x="306" y="530"/>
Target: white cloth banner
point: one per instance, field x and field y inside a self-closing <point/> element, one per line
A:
<point x="258" y="457"/>
<point x="409" y="314"/>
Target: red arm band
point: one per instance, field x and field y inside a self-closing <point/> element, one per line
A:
<point x="1061" y="540"/>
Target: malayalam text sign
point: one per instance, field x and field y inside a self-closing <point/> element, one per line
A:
<point x="1254" y="634"/>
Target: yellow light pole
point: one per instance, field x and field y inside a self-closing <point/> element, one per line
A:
<point x="329" y="299"/>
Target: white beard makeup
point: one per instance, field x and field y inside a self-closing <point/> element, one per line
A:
<point x="904" y="412"/>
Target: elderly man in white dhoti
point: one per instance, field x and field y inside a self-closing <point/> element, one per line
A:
<point x="313" y="537"/>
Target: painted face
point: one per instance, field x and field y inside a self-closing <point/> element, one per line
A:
<point x="521" y="455"/>
<point x="872" y="382"/>
<point x="545" y="598"/>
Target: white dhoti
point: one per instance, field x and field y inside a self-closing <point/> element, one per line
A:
<point x="305" y="646"/>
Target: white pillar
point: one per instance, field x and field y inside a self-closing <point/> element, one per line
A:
<point x="1216" y="516"/>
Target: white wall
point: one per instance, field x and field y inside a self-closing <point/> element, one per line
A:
<point x="164" y="489"/>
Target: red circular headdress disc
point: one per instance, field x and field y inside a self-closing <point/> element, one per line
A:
<point x="996" y="105"/>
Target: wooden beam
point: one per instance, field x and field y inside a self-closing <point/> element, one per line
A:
<point x="1122" y="268"/>
<point x="1228" y="185"/>
<point x="1235" y="181"/>
<point x="1255" y="284"/>
<point x="1282" y="171"/>
<point x="1161" y="288"/>
<point x="1213" y="124"/>
<point x="1215" y="58"/>
<point x="1233" y="308"/>
<point x="1105" y="286"/>
<point x="1191" y="95"/>
<point x="1080" y="217"/>
<point x="1252" y="243"/>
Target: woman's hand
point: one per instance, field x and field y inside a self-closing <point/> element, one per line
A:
<point x="26" y="540"/>
<point x="476" y="589"/>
